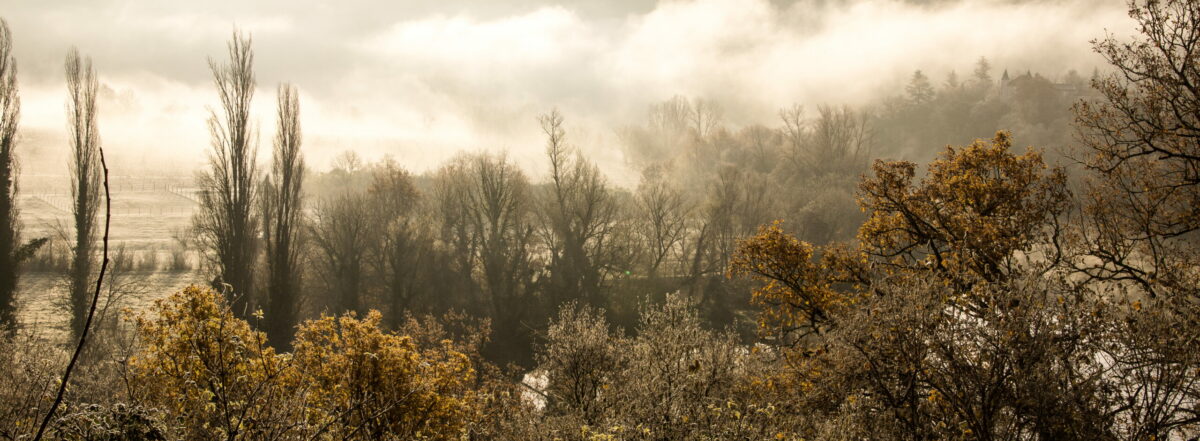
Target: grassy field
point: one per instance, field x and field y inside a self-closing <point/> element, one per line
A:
<point x="151" y="218"/>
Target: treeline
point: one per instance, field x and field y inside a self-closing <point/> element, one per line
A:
<point x="478" y="236"/>
<point x="974" y="295"/>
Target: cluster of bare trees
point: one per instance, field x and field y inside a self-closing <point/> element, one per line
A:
<point x="478" y="235"/>
<point x="241" y="211"/>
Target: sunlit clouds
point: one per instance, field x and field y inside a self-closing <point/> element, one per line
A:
<point x="421" y="84"/>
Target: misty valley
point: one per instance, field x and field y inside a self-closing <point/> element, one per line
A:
<point x="601" y="221"/>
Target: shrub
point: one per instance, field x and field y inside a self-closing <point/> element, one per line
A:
<point x="211" y="372"/>
<point x="365" y="383"/>
<point x="116" y="423"/>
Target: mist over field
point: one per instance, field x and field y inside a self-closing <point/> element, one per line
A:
<point x="600" y="220"/>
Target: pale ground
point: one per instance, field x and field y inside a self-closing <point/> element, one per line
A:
<point x="148" y="214"/>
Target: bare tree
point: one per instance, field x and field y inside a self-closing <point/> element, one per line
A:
<point x="90" y="314"/>
<point x="499" y="212"/>
<point x="1140" y="138"/>
<point x="664" y="212"/>
<point x="85" y="181"/>
<point x="727" y="195"/>
<point x="665" y="380"/>
<point x="450" y="193"/>
<point x="839" y="140"/>
<point x="761" y="147"/>
<point x="579" y="216"/>
<point x="404" y="245"/>
<point x="1141" y="214"/>
<point x="226" y="205"/>
<point x="341" y="229"/>
<point x="794" y="135"/>
<point x="668" y="126"/>
<point x="704" y="117"/>
<point x="12" y="252"/>
<point x="282" y="215"/>
<point x="485" y="206"/>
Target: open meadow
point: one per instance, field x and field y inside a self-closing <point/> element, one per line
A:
<point x="150" y="244"/>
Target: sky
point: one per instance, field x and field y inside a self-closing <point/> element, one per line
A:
<point x="421" y="81"/>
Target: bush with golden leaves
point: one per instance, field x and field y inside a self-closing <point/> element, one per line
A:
<point x="364" y="383"/>
<point x="214" y="375"/>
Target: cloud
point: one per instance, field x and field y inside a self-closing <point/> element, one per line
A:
<point x="421" y="83"/>
<point x="538" y="37"/>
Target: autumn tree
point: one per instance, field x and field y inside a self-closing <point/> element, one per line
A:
<point x="346" y="378"/>
<point x="922" y="326"/>
<point x="230" y="187"/>
<point x="282" y="215"/>
<point x="85" y="182"/>
<point x="798" y="295"/>
<point x="978" y="217"/>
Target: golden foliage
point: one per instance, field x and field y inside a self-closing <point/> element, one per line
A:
<point x="978" y="206"/>
<point x="347" y="378"/>
<point x="199" y="362"/>
<point x="378" y="385"/>
<point x="798" y="292"/>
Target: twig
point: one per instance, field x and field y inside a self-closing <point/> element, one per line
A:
<point x="62" y="387"/>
